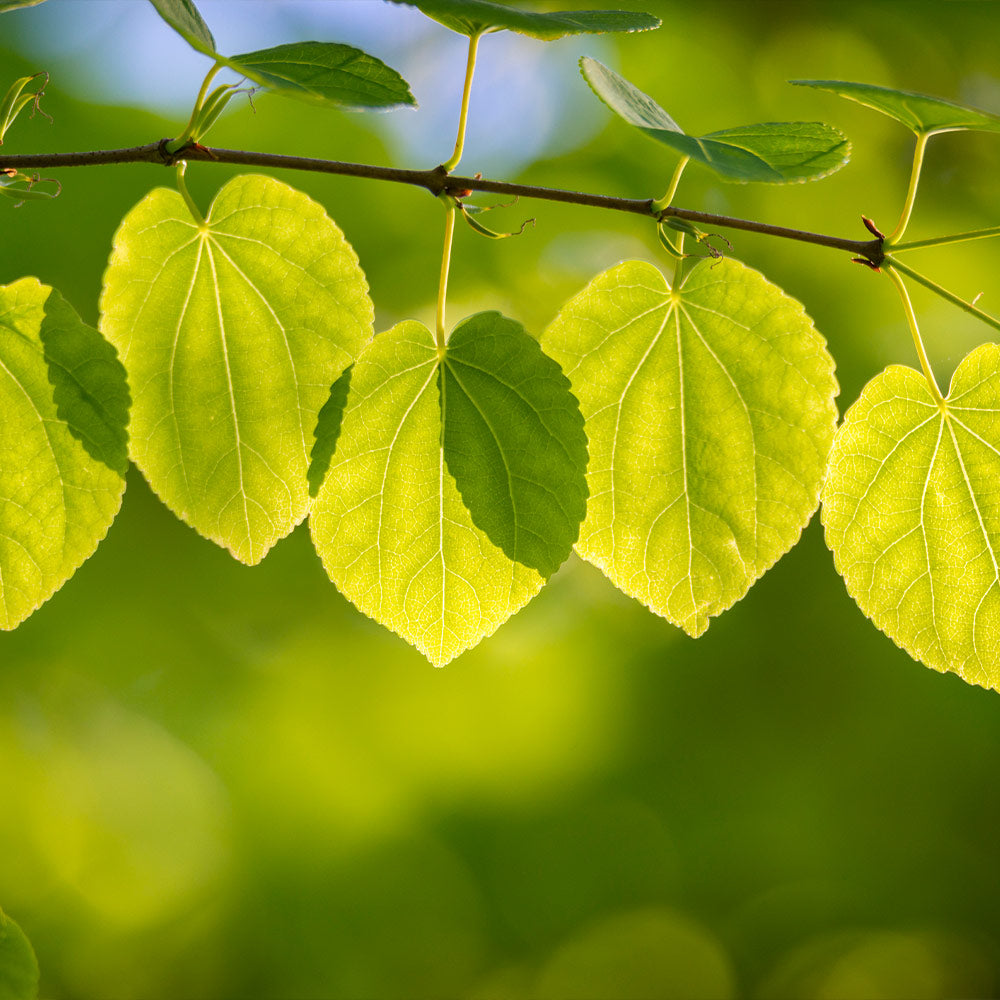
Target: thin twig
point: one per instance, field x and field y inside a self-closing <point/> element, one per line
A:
<point x="436" y="180"/>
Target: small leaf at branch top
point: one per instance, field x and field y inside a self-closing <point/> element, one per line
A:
<point x="232" y="333"/>
<point x="326" y="73"/>
<point x="773" y="152"/>
<point x="6" y="5"/>
<point x="475" y="17"/>
<point x="919" y="112"/>
<point x="710" y="413"/>
<point x="457" y="486"/>
<point x="62" y="444"/>
<point x="183" y="17"/>
<point x="18" y="965"/>
<point x="911" y="507"/>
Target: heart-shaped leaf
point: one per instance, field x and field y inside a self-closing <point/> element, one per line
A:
<point x="710" y="412"/>
<point x="457" y="485"/>
<point x="773" y="152"/>
<point x="919" y="112"/>
<point x="63" y="455"/>
<point x="911" y="507"/>
<point x="326" y="73"/>
<point x="232" y="332"/>
<point x="184" y="18"/>
<point x="18" y="965"/>
<point x="476" y="17"/>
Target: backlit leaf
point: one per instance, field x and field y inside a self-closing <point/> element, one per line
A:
<point x="474" y="17"/>
<point x="710" y="412"/>
<point x="232" y="333"/>
<point x="919" y="112"/>
<point x="18" y="965"/>
<point x="62" y="444"/>
<point x="184" y="18"/>
<point x="326" y="73"/>
<point x="911" y="507"/>
<point x="774" y="152"/>
<point x="457" y="485"/>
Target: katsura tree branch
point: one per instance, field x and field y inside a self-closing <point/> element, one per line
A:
<point x="437" y="180"/>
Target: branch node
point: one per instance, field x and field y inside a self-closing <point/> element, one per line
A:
<point x="867" y="262"/>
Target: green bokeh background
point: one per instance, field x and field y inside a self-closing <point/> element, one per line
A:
<point x="218" y="781"/>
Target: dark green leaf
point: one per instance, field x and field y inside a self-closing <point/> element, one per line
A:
<point x="18" y="965"/>
<point x="919" y="112"/>
<point x="326" y="73"/>
<point x="183" y="17"/>
<point x="773" y="152"/>
<point x="328" y="424"/>
<point x="475" y="17"/>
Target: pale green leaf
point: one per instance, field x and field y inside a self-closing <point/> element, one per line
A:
<point x="773" y="152"/>
<point x="232" y="332"/>
<point x="457" y="485"/>
<point x="62" y="444"/>
<point x="184" y="18"/>
<point x="911" y="507"/>
<point x="919" y="112"/>
<point x="710" y="412"/>
<point x="326" y="73"/>
<point x="474" y="17"/>
<point x="18" y="965"/>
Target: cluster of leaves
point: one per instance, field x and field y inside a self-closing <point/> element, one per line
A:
<point x="680" y="432"/>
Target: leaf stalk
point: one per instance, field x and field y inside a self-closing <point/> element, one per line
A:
<point x="911" y="191"/>
<point x="951" y="297"/>
<point x="661" y="203"/>
<point x="189" y="133"/>
<point x="186" y="195"/>
<point x="463" y="114"/>
<point x="440" y="338"/>
<point x="911" y="319"/>
<point x="940" y="241"/>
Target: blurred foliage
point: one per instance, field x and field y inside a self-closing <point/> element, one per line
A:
<point x="217" y="781"/>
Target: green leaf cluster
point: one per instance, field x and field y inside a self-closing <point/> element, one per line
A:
<point x="677" y="431"/>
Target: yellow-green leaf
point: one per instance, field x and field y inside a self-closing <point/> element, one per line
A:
<point x="232" y="332"/>
<point x="457" y="484"/>
<point x="911" y="508"/>
<point x="710" y="413"/>
<point x="64" y="406"/>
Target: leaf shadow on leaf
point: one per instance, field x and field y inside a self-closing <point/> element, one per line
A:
<point x="514" y="441"/>
<point x="89" y="384"/>
<point x="329" y="422"/>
